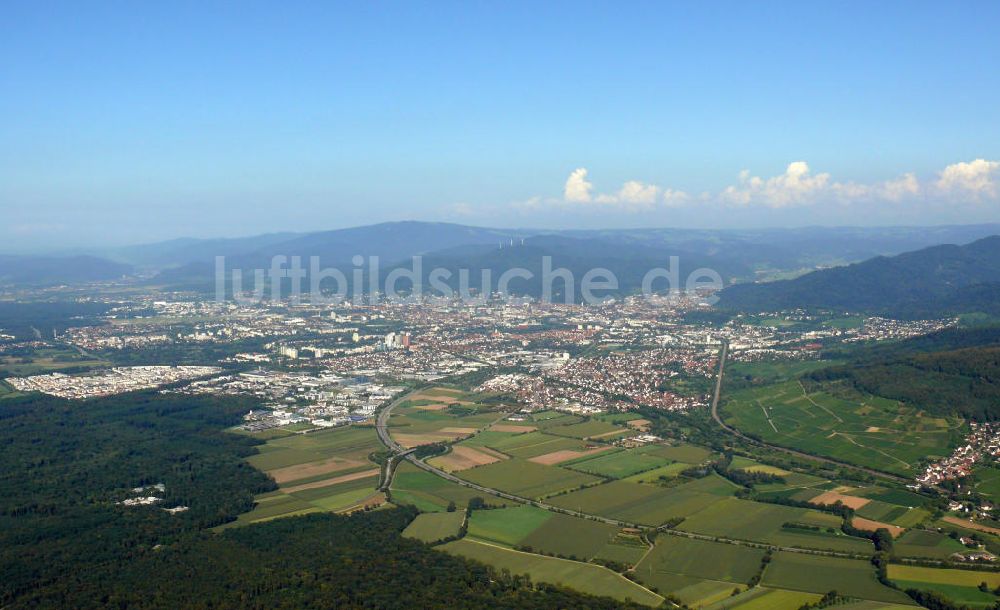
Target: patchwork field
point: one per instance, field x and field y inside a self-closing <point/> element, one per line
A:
<point x="432" y="527"/>
<point x="464" y="457"/>
<point x="326" y="470"/>
<point x="873" y="432"/>
<point x="540" y="530"/>
<point x="621" y="464"/>
<point x="585" y="577"/>
<point x="690" y="454"/>
<point x="760" y="522"/>
<point x="722" y="564"/>
<point x="647" y="504"/>
<point x="527" y="479"/>
<point x="567" y="455"/>
<point x="762" y="598"/>
<point x="926" y="544"/>
<point x="960" y="586"/>
<point x="438" y="415"/>
<point x="534" y="444"/>
<point x="855" y="578"/>
<point x="593" y="428"/>
<point x="426" y="491"/>
<point x="651" y="477"/>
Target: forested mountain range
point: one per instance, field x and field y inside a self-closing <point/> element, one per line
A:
<point x="956" y="371"/>
<point x="933" y="282"/>
<point x="743" y="255"/>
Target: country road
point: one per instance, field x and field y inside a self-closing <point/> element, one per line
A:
<point x="399" y="453"/>
<point x="723" y="353"/>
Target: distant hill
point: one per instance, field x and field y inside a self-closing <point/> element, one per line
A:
<point x="932" y="282"/>
<point x="176" y="252"/>
<point x="391" y="242"/>
<point x="733" y="253"/>
<point x="52" y="270"/>
<point x="628" y="262"/>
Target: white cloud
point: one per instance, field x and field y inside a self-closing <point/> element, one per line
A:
<point x="794" y="187"/>
<point x="905" y="187"/>
<point x="976" y="179"/>
<point x="797" y="186"/>
<point x="577" y="188"/>
<point x="632" y="196"/>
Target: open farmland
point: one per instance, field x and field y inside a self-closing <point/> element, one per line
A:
<point x="427" y="491"/>
<point x="526" y="478"/>
<point x="571" y="537"/>
<point x="677" y="556"/>
<point x="647" y="504"/>
<point x="585" y="577"/>
<point x="432" y="527"/>
<point x="507" y="526"/>
<point x="438" y="415"/>
<point x="534" y="444"/>
<point x="873" y="432"/>
<point x="620" y="464"/>
<point x="462" y="457"/>
<point x="593" y="428"/>
<point x="926" y="544"/>
<point x="760" y="522"/>
<point x="326" y="470"/>
<point x="652" y="477"/>
<point x="854" y="578"/>
<point x="960" y="586"/>
<point x="762" y="598"/>
<point x="543" y="531"/>
<point x="689" y="454"/>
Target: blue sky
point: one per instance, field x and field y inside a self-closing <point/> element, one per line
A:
<point x="127" y="122"/>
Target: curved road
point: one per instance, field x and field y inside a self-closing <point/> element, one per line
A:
<point x="715" y="415"/>
<point x="400" y="453"/>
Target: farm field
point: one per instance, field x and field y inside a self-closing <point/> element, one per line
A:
<point x="620" y="464"/>
<point x="960" y="586"/>
<point x="689" y="454"/>
<point x="539" y="530"/>
<point x="593" y="428"/>
<point x="573" y="537"/>
<point x="526" y="478"/>
<point x="507" y="526"/>
<point x="926" y="544"/>
<point x="47" y="360"/>
<point x="428" y="492"/>
<point x="760" y="522"/>
<point x="534" y="444"/>
<point x="588" y="578"/>
<point x="326" y="470"/>
<point x="432" y="527"/>
<point x="873" y="432"/>
<point x="463" y="457"/>
<point x="988" y="482"/>
<point x="855" y="578"/>
<point x="438" y="414"/>
<point x="647" y="504"/>
<point x="762" y="598"/>
<point x="669" y="471"/>
<point x="675" y="555"/>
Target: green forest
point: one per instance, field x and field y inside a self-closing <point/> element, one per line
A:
<point x="961" y="376"/>
<point x="66" y="542"/>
